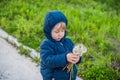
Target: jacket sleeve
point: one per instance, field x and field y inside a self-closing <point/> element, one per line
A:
<point x="49" y="58"/>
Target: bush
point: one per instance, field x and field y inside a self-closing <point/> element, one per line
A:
<point x="101" y="73"/>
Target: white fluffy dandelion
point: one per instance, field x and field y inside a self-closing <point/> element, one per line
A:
<point x="79" y="49"/>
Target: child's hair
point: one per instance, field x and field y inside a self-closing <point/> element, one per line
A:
<point x="62" y="26"/>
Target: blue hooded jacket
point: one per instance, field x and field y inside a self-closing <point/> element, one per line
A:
<point x="52" y="53"/>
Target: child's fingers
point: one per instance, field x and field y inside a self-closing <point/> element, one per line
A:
<point x="75" y="59"/>
<point x="72" y="58"/>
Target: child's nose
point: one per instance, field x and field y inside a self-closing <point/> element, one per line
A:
<point x="60" y="34"/>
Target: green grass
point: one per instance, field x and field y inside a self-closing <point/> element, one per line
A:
<point x="92" y="22"/>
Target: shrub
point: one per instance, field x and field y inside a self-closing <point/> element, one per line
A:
<point x="101" y="73"/>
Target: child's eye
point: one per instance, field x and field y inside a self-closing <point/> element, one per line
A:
<point x="56" y="31"/>
<point x="63" y="31"/>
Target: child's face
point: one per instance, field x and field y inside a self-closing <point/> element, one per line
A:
<point x="58" y="31"/>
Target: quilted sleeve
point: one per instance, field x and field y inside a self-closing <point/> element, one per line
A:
<point x="48" y="57"/>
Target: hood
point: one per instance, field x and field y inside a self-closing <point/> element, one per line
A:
<point x="51" y="19"/>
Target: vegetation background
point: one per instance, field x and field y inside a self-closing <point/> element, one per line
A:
<point x="95" y="23"/>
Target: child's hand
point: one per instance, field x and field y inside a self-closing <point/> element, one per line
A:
<point x="77" y="58"/>
<point x="72" y="58"/>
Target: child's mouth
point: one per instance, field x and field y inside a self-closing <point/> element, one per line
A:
<point x="59" y="38"/>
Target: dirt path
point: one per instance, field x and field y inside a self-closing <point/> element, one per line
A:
<point x="14" y="66"/>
